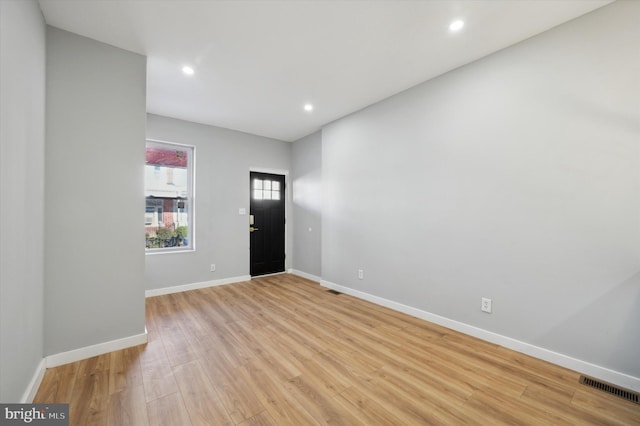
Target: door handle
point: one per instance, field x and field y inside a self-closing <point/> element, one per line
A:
<point x="251" y="229"/>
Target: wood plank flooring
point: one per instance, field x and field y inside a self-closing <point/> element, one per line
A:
<point x="281" y="350"/>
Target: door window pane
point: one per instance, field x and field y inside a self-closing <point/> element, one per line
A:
<point x="266" y="189"/>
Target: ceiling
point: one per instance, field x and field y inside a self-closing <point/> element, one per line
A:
<point x="257" y="63"/>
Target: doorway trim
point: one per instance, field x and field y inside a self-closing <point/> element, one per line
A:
<point x="288" y="191"/>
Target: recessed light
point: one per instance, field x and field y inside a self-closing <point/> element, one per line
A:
<point x="308" y="107"/>
<point x="188" y="70"/>
<point x="456" y="25"/>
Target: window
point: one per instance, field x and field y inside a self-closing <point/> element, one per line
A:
<point x="266" y="189"/>
<point x="153" y="212"/>
<point x="168" y="214"/>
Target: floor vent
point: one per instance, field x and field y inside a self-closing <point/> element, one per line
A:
<point x="612" y="389"/>
<point x="336" y="292"/>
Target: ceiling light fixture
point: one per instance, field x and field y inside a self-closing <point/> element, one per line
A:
<point x="456" y="25"/>
<point x="188" y="70"/>
<point x="308" y="107"/>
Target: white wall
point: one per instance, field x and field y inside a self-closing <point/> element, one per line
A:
<point x="223" y="160"/>
<point x="306" y="161"/>
<point x="94" y="256"/>
<point x="517" y="178"/>
<point x="22" y="103"/>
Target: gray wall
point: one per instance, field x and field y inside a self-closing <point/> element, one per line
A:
<point x="22" y="103"/>
<point x="517" y="178"/>
<point x="223" y="160"/>
<point x="306" y="160"/>
<point x="94" y="255"/>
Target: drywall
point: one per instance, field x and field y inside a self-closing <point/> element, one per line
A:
<point x="306" y="160"/>
<point x="516" y="178"/>
<point x="223" y="160"/>
<point x="22" y="103"/>
<point x="94" y="258"/>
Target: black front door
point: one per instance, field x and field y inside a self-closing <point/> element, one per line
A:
<point x="266" y="223"/>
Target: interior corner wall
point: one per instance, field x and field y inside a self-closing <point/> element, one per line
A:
<point x="517" y="178"/>
<point x="95" y="148"/>
<point x="223" y="160"/>
<point x="306" y="160"/>
<point x="22" y="123"/>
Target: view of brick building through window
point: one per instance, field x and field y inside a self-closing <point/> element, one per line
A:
<point x="167" y="193"/>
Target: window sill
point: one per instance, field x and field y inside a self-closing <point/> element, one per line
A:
<point x="169" y="251"/>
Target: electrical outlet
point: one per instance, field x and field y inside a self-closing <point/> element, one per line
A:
<point x="360" y="274"/>
<point x="486" y="305"/>
<point x="213" y="267"/>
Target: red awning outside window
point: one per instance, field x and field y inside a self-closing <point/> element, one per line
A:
<point x="166" y="157"/>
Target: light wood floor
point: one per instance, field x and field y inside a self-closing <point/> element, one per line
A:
<point x="282" y="350"/>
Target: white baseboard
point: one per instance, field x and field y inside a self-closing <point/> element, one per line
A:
<point x="34" y="384"/>
<point x="195" y="286"/>
<point x="584" y="367"/>
<point x="305" y="275"/>
<point x="95" y="350"/>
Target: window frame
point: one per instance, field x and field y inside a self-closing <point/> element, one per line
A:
<point x="262" y="187"/>
<point x="190" y="198"/>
